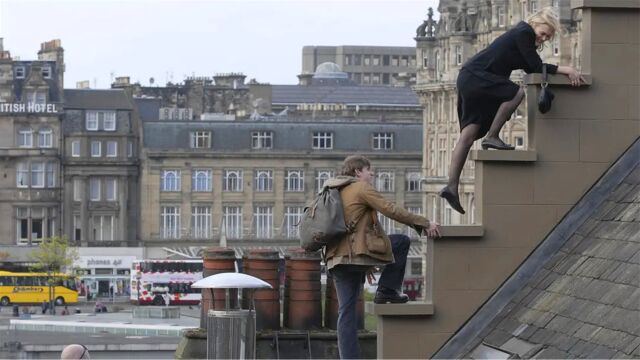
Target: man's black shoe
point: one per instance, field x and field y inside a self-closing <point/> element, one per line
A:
<point x="394" y="297"/>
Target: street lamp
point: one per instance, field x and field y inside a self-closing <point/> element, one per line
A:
<point x="138" y="277"/>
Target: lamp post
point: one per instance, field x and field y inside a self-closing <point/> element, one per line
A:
<point x="138" y="277"/>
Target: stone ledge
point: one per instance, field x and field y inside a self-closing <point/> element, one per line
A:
<point x="461" y="231"/>
<point x="625" y="4"/>
<point x="504" y="155"/>
<point x="410" y="308"/>
<point x="555" y="79"/>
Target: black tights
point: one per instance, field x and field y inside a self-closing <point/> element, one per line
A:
<point x="469" y="134"/>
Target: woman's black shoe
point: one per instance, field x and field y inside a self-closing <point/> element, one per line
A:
<point x="452" y="199"/>
<point x="493" y="143"/>
<point x="394" y="297"/>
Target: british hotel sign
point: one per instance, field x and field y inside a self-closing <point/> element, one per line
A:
<point x="28" y="108"/>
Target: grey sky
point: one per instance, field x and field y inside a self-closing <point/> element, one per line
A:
<point x="172" y="39"/>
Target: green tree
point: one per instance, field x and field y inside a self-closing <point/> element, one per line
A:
<point x="54" y="256"/>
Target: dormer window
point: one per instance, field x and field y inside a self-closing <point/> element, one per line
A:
<point x="46" y="72"/>
<point x="19" y="72"/>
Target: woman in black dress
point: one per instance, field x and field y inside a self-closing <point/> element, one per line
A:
<point x="486" y="96"/>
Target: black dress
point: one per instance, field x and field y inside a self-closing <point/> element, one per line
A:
<point x="483" y="82"/>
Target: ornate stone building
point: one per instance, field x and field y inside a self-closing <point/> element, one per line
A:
<point x="442" y="47"/>
<point x="31" y="98"/>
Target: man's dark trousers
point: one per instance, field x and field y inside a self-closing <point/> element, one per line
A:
<point x="393" y="274"/>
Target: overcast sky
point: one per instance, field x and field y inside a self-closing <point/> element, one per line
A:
<point x="168" y="40"/>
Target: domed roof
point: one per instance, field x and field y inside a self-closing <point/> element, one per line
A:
<point x="329" y="70"/>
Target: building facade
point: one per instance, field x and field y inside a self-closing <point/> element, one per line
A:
<point x="364" y="65"/>
<point x="31" y="99"/>
<point x="100" y="158"/>
<point x="244" y="181"/>
<point x="442" y="47"/>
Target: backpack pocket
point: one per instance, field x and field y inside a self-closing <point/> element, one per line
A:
<point x="376" y="243"/>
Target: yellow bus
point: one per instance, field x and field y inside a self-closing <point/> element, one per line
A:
<point x="32" y="288"/>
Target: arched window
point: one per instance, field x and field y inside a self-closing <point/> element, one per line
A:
<point x="232" y="180"/>
<point x="295" y="180"/>
<point x="201" y="180"/>
<point x="171" y="180"/>
<point x="264" y="180"/>
<point x="384" y="181"/>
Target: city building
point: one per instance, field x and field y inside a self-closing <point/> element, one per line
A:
<point x="31" y="100"/>
<point x="364" y="65"/>
<point x="442" y="47"/>
<point x="243" y="181"/>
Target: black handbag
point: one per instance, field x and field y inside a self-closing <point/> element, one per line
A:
<point x="546" y="96"/>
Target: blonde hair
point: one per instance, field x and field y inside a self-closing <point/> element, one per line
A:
<point x="547" y="16"/>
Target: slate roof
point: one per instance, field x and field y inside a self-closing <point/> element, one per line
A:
<point x="107" y="99"/>
<point x="583" y="300"/>
<point x="362" y="95"/>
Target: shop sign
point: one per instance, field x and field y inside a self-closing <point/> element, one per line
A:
<point x="106" y="262"/>
<point x="28" y="108"/>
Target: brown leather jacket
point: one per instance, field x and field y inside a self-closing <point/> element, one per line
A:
<point x="361" y="204"/>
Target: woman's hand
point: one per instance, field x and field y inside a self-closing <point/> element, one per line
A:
<point x="574" y="76"/>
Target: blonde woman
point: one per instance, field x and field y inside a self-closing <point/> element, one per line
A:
<point x="486" y="96"/>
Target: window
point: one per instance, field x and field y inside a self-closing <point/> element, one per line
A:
<point x="170" y="180"/>
<point x="321" y="177"/>
<point x="413" y="182"/>
<point x="94" y="189"/>
<point x="534" y="6"/>
<point x="442" y="156"/>
<point x="19" y="72"/>
<point x="555" y="3"/>
<point x="382" y="141"/>
<point x="30" y="225"/>
<point x="22" y="175"/>
<point x="519" y="140"/>
<point x="169" y="222"/>
<point x="264" y="180"/>
<point x="91" y="121"/>
<point x="103" y="227"/>
<point x="25" y="138"/>
<point x="501" y="17"/>
<point x="129" y="148"/>
<point x="232" y="181"/>
<point x="322" y="140"/>
<point x="200" y="139"/>
<point x="75" y="148"/>
<point x="109" y="120"/>
<point x="294" y="180"/>
<point x="367" y="61"/>
<point x="37" y="175"/>
<point x="437" y="64"/>
<point x="201" y="180"/>
<point x="45" y="138"/>
<point x="261" y="140"/>
<point x="387" y="224"/>
<point x="96" y="148"/>
<point x="263" y="220"/>
<point x="425" y="62"/>
<point x="51" y="175"/>
<point x="556" y="46"/>
<point x="201" y="222"/>
<point x="46" y="72"/>
<point x="77" y="190"/>
<point x="112" y="148"/>
<point x="458" y="50"/>
<point x="232" y="222"/>
<point x="292" y="216"/>
<point x="111" y="186"/>
<point x="384" y="181"/>
<point x="77" y="228"/>
<point x="376" y="60"/>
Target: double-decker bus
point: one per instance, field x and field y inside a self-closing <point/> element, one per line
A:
<point x="170" y="279"/>
<point x="33" y="288"/>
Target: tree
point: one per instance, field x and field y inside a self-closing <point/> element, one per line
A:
<point x="54" y="256"/>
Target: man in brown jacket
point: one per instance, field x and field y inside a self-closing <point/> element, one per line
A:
<point x="366" y="246"/>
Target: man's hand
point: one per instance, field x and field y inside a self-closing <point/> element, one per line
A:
<point x="433" y="231"/>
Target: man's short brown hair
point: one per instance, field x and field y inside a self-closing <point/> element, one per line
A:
<point x="353" y="163"/>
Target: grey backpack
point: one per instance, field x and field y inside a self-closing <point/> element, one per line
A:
<point x="322" y="221"/>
